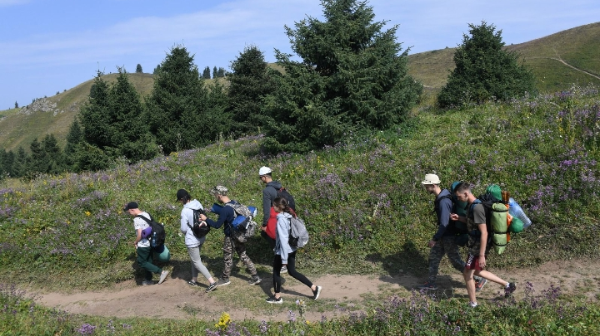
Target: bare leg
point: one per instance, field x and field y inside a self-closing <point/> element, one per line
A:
<point x="468" y="275"/>
<point x="492" y="277"/>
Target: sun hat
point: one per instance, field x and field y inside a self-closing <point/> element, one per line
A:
<point x="431" y="179"/>
<point x="264" y="171"/>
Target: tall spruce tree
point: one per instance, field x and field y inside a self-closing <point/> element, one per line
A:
<point x="484" y="69"/>
<point x="352" y="75"/>
<point x="74" y="139"/>
<point x="249" y="83"/>
<point x="215" y="72"/>
<point x="181" y="111"/>
<point x="21" y="165"/>
<point x="39" y="161"/>
<point x="56" y="161"/>
<point x="138" y="69"/>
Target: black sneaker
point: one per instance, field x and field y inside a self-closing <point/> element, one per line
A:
<point x="211" y="287"/>
<point x="272" y="299"/>
<point x="223" y="282"/>
<point x="512" y="287"/>
<point x="317" y="292"/>
<point x="193" y="283"/>
<point x="255" y="280"/>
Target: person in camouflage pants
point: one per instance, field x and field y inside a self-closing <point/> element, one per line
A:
<point x="228" y="246"/>
<point x="444" y="240"/>
<point x="226" y="217"/>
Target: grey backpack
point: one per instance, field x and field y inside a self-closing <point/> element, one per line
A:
<point x="298" y="234"/>
<point x="245" y="228"/>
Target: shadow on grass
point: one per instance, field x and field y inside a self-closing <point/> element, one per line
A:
<point x="408" y="268"/>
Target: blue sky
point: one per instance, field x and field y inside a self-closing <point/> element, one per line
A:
<point x="51" y="45"/>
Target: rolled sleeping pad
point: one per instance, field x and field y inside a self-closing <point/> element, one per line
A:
<point x="499" y="225"/>
<point x="164" y="256"/>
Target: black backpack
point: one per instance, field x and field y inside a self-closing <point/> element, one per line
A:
<point x="199" y="230"/>
<point x="158" y="235"/>
<point x="282" y="192"/>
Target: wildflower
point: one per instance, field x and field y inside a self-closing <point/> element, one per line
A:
<point x="87" y="213"/>
<point x="224" y="321"/>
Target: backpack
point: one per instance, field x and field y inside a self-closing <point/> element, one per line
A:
<point x="199" y="230"/>
<point x="282" y="192"/>
<point x="158" y="235"/>
<point x="459" y="227"/>
<point x="496" y="219"/>
<point x="298" y="236"/>
<point x="243" y="225"/>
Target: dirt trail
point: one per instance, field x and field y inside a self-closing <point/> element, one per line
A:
<point x="175" y="299"/>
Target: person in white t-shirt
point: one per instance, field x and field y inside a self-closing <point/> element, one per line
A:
<point x="142" y="245"/>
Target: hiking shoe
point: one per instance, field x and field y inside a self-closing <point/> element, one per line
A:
<point x="428" y="286"/>
<point x="147" y="282"/>
<point x="255" y="280"/>
<point x="193" y="283"/>
<point x="272" y="299"/>
<point x="317" y="292"/>
<point x="211" y="287"/>
<point x="163" y="276"/>
<point x="223" y="282"/>
<point x="479" y="284"/>
<point x="283" y="269"/>
<point x="512" y="287"/>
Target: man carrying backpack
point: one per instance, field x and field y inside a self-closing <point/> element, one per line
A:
<point x="226" y="217"/>
<point x="444" y="240"/>
<point x="476" y="220"/>
<point x="271" y="191"/>
<point x="142" y="245"/>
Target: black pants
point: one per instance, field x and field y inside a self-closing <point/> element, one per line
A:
<point x="291" y="266"/>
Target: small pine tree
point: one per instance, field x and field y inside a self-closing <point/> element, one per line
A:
<point x="221" y="72"/>
<point x="16" y="105"/>
<point x="485" y="70"/>
<point x="206" y="73"/>
<point x="138" y="69"/>
<point x="215" y="72"/>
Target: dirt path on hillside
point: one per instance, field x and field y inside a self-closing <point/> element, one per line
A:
<point x="175" y="299"/>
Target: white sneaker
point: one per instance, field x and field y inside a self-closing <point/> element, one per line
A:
<point x="317" y="292"/>
<point x="163" y="276"/>
<point x="147" y="282"/>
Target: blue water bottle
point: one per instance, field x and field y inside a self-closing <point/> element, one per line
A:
<point x="516" y="211"/>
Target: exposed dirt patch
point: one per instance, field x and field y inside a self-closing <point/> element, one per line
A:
<point x="175" y="299"/>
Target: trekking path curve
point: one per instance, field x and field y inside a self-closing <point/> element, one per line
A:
<point x="176" y="299"/>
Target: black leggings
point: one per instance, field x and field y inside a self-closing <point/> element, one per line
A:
<point x="291" y="266"/>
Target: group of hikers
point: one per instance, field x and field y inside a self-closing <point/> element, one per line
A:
<point x="445" y="240"/>
<point x="279" y="210"/>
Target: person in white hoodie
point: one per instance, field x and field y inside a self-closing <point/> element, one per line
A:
<point x="193" y="244"/>
<point x="285" y="255"/>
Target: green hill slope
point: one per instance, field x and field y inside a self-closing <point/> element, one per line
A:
<point x="365" y="207"/>
<point x="577" y="47"/>
<point x="54" y="115"/>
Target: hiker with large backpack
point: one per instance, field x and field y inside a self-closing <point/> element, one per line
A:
<point x="444" y="241"/>
<point x="286" y="245"/>
<point x="226" y="217"/>
<point x="272" y="190"/>
<point x="143" y="248"/>
<point x="195" y="235"/>
<point x="479" y="243"/>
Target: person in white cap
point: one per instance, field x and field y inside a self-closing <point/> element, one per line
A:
<point x="444" y="240"/>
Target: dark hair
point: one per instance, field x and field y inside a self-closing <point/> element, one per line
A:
<point x="282" y="203"/>
<point x="183" y="195"/>
<point x="462" y="187"/>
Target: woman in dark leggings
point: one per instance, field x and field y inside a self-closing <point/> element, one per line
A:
<point x="284" y="253"/>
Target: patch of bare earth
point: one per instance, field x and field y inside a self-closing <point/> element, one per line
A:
<point x="175" y="299"/>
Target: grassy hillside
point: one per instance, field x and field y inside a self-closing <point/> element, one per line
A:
<point x="54" y="115"/>
<point x="578" y="47"/>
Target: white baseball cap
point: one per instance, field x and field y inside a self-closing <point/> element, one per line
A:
<point x="264" y="171"/>
<point x="431" y="179"/>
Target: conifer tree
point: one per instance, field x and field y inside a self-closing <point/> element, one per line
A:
<point x="21" y="165"/>
<point x="74" y="139"/>
<point x="16" y="105"/>
<point x="352" y="75"/>
<point x="138" y="69"/>
<point x="485" y="70"/>
<point x="39" y="161"/>
<point x="215" y="72"/>
<point x="249" y="83"/>
<point x="179" y="113"/>
<point x="56" y="162"/>
<point x="221" y="72"/>
<point x="206" y="73"/>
